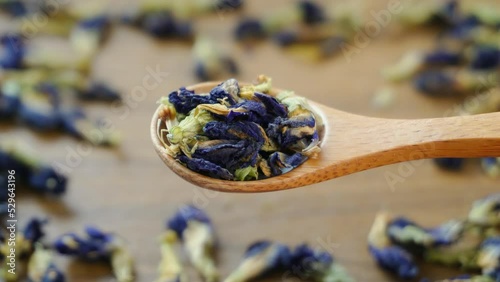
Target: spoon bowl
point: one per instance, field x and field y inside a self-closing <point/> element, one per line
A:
<point x="352" y="143"/>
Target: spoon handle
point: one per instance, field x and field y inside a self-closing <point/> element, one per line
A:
<point x="460" y="136"/>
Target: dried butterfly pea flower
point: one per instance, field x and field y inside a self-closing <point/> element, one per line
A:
<point x="9" y="104"/>
<point x="36" y="175"/>
<point x="250" y="29"/>
<point x="98" y="91"/>
<point x="95" y="246"/>
<point x="489" y="258"/>
<point x="206" y="168"/>
<point x="485" y="57"/>
<point x="170" y="268"/>
<point x="210" y="62"/>
<point x="451" y="164"/>
<point x="261" y="258"/>
<point x="89" y="34"/>
<point x="315" y="265"/>
<point x="413" y="62"/>
<point x="491" y="166"/>
<point x="485" y="212"/>
<point x="41" y="267"/>
<point x="429" y="12"/>
<point x="442" y="84"/>
<point x="12" y="51"/>
<point x="304" y="12"/>
<point x="196" y="232"/>
<point x="26" y="239"/>
<point x="162" y="25"/>
<point x="390" y="257"/>
<point x="77" y="124"/>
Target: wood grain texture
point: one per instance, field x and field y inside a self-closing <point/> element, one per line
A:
<point x="131" y="192"/>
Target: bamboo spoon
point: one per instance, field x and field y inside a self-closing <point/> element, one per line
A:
<point x="351" y="143"/>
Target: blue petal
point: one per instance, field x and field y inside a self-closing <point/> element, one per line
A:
<point x="311" y="12"/>
<point x="395" y="260"/>
<point x="53" y="274"/>
<point x="179" y="221"/>
<point x="435" y="83"/>
<point x="234" y="131"/>
<point x="99" y="92"/>
<point x="33" y="231"/>
<point x="443" y="57"/>
<point x="47" y="180"/>
<point x="13" y="52"/>
<point x="451" y="164"/>
<point x="485" y="57"/>
<point x="280" y="257"/>
<point x="9" y="106"/>
<point x="249" y="29"/>
<point x="230" y="154"/>
<point x="206" y="168"/>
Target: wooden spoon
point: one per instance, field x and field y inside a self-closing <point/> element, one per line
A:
<point x="351" y="143"/>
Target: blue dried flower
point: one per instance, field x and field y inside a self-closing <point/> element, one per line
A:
<point x="486" y="211"/>
<point x="97" y="245"/>
<point x="98" y="23"/>
<point x="41" y="267"/>
<point x="485" y="57"/>
<point x="99" y="92"/>
<point x="446" y="233"/>
<point x="53" y="274"/>
<point x="261" y="258"/>
<point x="489" y="257"/>
<point x="47" y="180"/>
<point x="463" y="29"/>
<point x="9" y="105"/>
<point x="230" y="154"/>
<point x="250" y="29"/>
<point x="179" y="222"/>
<point x="491" y="166"/>
<point x="395" y="260"/>
<point x="285" y="38"/>
<point x="281" y="163"/>
<point x="12" y="55"/>
<point x="238" y="130"/>
<point x="195" y="230"/>
<point x="443" y="57"/>
<point x="316" y="265"/>
<point x="164" y="25"/>
<point x="206" y="168"/>
<point x="229" y="4"/>
<point x="288" y="131"/>
<point x="435" y="83"/>
<point x="451" y="164"/>
<point x="40" y="111"/>
<point x="307" y="263"/>
<point x="447" y="14"/>
<point x="33" y="231"/>
<point x="185" y="100"/>
<point x="409" y="235"/>
<point x="311" y="12"/>
<point x="93" y="247"/>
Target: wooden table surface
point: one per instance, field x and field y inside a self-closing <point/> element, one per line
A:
<point x="131" y="192"/>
